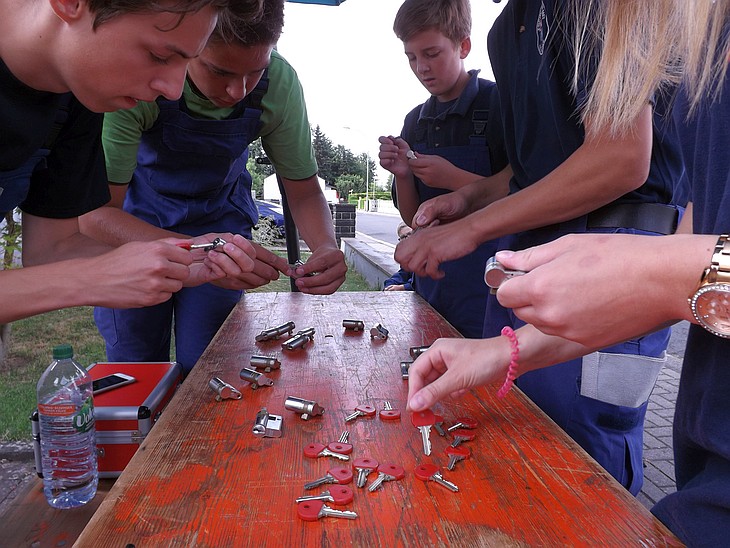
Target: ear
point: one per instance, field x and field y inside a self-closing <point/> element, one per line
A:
<point x="465" y="47"/>
<point x="68" y="10"/>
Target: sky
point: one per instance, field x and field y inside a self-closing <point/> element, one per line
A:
<point x="354" y="72"/>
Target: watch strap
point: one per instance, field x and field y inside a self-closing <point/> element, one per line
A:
<point x="719" y="269"/>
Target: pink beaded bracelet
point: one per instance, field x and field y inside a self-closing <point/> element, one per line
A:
<point x="513" y="365"/>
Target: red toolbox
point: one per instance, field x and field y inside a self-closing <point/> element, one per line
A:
<point x="126" y="414"/>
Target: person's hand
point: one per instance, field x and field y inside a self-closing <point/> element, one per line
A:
<point x="441" y="210"/>
<point x="393" y="155"/>
<point x="452" y="366"/>
<point x="267" y="267"/>
<point x="234" y="259"/>
<point x="323" y="272"/>
<point x="395" y="287"/>
<point x="425" y="249"/>
<point x="600" y="289"/>
<point x="137" y="274"/>
<point x="433" y="170"/>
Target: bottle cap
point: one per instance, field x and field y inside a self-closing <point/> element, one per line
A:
<point x="63" y="352"/>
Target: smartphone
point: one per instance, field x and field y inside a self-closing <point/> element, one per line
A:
<point x="111" y="381"/>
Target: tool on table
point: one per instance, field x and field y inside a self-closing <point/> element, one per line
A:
<point x="315" y="450"/>
<point x="307" y="408"/>
<point x="208" y="246"/>
<point x="341" y="446"/>
<point x="387" y="472"/>
<point x="378" y="332"/>
<point x="337" y="494"/>
<point x="267" y="363"/>
<point x="353" y="325"/>
<point x="416" y="351"/>
<point x="255" y="378"/>
<point x="267" y="425"/>
<point x="457" y="454"/>
<point x="273" y="333"/>
<point x="463" y="422"/>
<point x="462" y="437"/>
<point x="388" y="413"/>
<point x="361" y="411"/>
<point x="299" y="340"/>
<point x="424" y="420"/>
<point x="223" y="390"/>
<point x="340" y="474"/>
<point x="495" y="274"/>
<point x="439" y="424"/>
<point x="404" y="368"/>
<point x="430" y="472"/>
<point x="312" y="510"/>
<point x="364" y="466"/>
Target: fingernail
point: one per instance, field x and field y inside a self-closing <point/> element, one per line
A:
<point x="505" y="254"/>
<point x="421" y="220"/>
<point x="417" y="403"/>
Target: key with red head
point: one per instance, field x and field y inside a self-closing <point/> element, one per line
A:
<point x="361" y="411"/>
<point x="364" y="466"/>
<point x="464" y="422"/>
<point x="457" y="454"/>
<point x="315" y="450"/>
<point x="462" y="437"/>
<point x="338" y="474"/>
<point x="312" y="510"/>
<point x="388" y="413"/>
<point x="337" y="494"/>
<point x="430" y="472"/>
<point x="424" y="420"/>
<point x="341" y="446"/>
<point x="387" y="472"/>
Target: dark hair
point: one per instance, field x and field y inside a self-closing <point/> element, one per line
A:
<point x="106" y="10"/>
<point x="452" y="18"/>
<point x="266" y="30"/>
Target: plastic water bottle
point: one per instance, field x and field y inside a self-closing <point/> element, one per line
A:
<point x="68" y="434"/>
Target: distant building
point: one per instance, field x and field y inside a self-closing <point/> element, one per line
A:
<point x="272" y="193"/>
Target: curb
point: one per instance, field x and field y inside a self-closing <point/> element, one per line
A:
<point x="17" y="451"/>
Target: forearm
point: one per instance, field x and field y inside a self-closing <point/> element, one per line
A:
<point x="407" y="198"/>
<point x="50" y="240"/>
<point x="313" y="218"/>
<point x="116" y="227"/>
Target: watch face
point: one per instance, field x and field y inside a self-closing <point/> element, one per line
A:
<point x="711" y="307"/>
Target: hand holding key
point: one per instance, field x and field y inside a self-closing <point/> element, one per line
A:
<point x="424" y="420"/>
<point x="315" y="450"/>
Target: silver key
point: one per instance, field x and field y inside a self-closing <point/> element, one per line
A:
<point x="361" y="411"/>
<point x="382" y="477"/>
<point x="209" y="246"/>
<point x="453" y="459"/>
<point x="440" y="428"/>
<point x="324" y="495"/>
<point x="438" y="478"/>
<point x="344" y="437"/>
<point x="345" y="476"/>
<point x="326" y="511"/>
<point x="327" y="453"/>
<point x="426" y="435"/>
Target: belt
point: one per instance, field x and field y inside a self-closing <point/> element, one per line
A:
<point x="660" y="218"/>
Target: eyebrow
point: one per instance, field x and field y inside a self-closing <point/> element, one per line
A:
<point x="178" y="51"/>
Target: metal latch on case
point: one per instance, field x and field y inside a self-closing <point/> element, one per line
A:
<point x="267" y="425"/>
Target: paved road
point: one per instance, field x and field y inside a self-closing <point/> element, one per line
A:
<point x="381" y="226"/>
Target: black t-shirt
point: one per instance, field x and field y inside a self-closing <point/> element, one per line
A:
<point x="71" y="179"/>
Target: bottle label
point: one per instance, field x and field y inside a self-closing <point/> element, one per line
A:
<point x="61" y="410"/>
<point x="83" y="421"/>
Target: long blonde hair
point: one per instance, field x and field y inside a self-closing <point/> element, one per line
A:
<point x="645" y="47"/>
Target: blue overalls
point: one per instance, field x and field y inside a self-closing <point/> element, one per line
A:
<point x="600" y="400"/>
<point x="191" y="178"/>
<point x="460" y="136"/>
<point x="699" y="511"/>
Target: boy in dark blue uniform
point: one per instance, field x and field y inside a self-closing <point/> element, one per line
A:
<point x="568" y="177"/>
<point x="452" y="139"/>
<point x="57" y="71"/>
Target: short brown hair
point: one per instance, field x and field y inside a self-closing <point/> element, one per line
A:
<point x="242" y="31"/>
<point x="452" y="18"/>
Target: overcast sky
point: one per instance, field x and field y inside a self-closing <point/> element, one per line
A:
<point x="354" y="71"/>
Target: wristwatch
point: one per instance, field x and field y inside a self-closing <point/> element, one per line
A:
<point x="710" y="303"/>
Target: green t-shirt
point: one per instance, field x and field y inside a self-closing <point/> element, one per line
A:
<point x="285" y="134"/>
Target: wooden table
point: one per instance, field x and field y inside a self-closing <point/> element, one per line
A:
<point x="201" y="478"/>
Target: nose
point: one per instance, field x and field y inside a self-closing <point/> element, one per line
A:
<point x="422" y="66"/>
<point x="236" y="89"/>
<point x="170" y="81"/>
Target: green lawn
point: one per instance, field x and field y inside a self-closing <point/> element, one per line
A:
<point x="30" y="353"/>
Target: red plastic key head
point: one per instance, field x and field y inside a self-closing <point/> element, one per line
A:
<point x="341" y="494"/>
<point x="343" y="474"/>
<point x="425" y="471"/>
<point x="366" y="410"/>
<point x="465" y="436"/>
<point x="392" y="470"/>
<point x="466" y="422"/>
<point x="423" y="418"/>
<point x="390" y="414"/>
<point x="437" y="419"/>
<point x="339" y="447"/>
<point x="313" y="450"/>
<point x="309" y="510"/>
<point x="459" y="451"/>
<point x="364" y="462"/>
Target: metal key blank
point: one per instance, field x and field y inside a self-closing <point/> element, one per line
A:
<point x="341" y="446"/>
<point x="424" y="420"/>
<point x="430" y="472"/>
<point x="457" y="454"/>
<point x="463" y="422"/>
<point x="416" y="351"/>
<point x="439" y="425"/>
<point x="312" y="510"/>
<point x="315" y="450"/>
<point x="337" y="494"/>
<point x="340" y="474"/>
<point x="404" y="368"/>
<point x="364" y="466"/>
<point x="387" y="472"/>
<point x="361" y="411"/>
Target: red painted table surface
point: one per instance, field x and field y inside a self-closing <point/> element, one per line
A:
<point x="201" y="478"/>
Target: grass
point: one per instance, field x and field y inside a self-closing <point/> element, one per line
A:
<point x="32" y="339"/>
